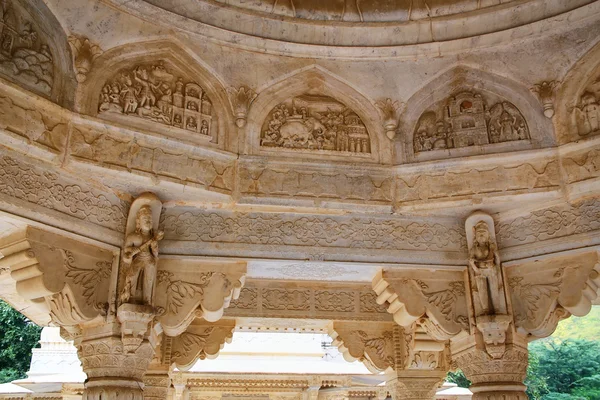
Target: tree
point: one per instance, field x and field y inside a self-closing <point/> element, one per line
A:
<point x="459" y="378"/>
<point x="18" y="335"/>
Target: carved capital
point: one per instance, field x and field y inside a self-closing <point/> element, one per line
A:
<point x="84" y="54"/>
<point x="415" y="387"/>
<point x="201" y="340"/>
<point x="241" y="99"/>
<point x="390" y="114"/>
<point x="439" y="297"/>
<point x="134" y="321"/>
<point x="187" y="288"/>
<point x="372" y="344"/>
<point x="546" y="92"/>
<point x="547" y="289"/>
<point x="64" y="276"/>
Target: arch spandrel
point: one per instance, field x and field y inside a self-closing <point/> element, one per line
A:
<point x="313" y="114"/>
<point x="34" y="52"/>
<point x="465" y="112"/>
<point x="160" y="88"/>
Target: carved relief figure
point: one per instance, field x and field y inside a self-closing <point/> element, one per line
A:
<point x="315" y="123"/>
<point x="24" y="54"/>
<point x="140" y="252"/>
<point x="464" y="120"/>
<point x="154" y="93"/>
<point x="587" y="114"/>
<point x="485" y="262"/>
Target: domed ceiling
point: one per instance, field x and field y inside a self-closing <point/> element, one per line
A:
<point x="344" y="23"/>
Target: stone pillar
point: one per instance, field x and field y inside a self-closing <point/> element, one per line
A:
<point x="494" y="376"/>
<point x="115" y="367"/>
<point x="415" y="385"/>
<point x="156" y="384"/>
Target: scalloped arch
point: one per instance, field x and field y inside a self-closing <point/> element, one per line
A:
<point x="576" y="82"/>
<point x="178" y="62"/>
<point x="466" y="79"/>
<point x="316" y="80"/>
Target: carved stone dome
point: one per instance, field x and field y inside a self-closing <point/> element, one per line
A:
<point x="347" y="22"/>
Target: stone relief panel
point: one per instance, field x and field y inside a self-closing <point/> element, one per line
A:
<point x="582" y="165"/>
<point x="157" y="93"/>
<point x="133" y="154"/>
<point x="342" y="302"/>
<point x="545" y="291"/>
<point x="509" y="178"/>
<point x="298" y="231"/>
<point x="586" y="113"/>
<point x="553" y="222"/>
<point x="315" y="123"/>
<point x="469" y="119"/>
<point x="25" y="54"/>
<point x="283" y="181"/>
<point x="45" y="188"/>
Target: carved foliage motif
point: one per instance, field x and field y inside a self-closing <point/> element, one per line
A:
<point x="155" y="93"/>
<point x="281" y="229"/>
<point x="311" y="122"/>
<point x="84" y="54"/>
<point x="200" y="341"/>
<point x="47" y="189"/>
<point x="88" y="279"/>
<point x="465" y="120"/>
<point x="550" y="223"/>
<point x="24" y="52"/>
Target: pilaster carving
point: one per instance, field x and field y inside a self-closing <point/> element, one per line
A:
<point x="390" y="113"/>
<point x="84" y="54"/>
<point x="372" y="344"/>
<point x="156" y="385"/>
<point x="201" y="340"/>
<point x="487" y="283"/>
<point x="415" y="386"/>
<point x="412" y="295"/>
<point x="545" y="291"/>
<point x="241" y="99"/>
<point x="188" y="288"/>
<point x="546" y="92"/>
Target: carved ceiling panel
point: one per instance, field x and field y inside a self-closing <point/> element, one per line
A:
<point x="157" y="93"/>
<point x="315" y="123"/>
<point x="469" y="119"/>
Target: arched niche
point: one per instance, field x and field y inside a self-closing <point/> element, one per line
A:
<point x="313" y="114"/>
<point x="465" y="112"/>
<point x="578" y="100"/>
<point x="34" y="52"/>
<point x="157" y="87"/>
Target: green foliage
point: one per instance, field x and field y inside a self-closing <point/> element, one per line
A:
<point x="535" y="381"/>
<point x="459" y="378"/>
<point x="587" y="327"/>
<point x="18" y="336"/>
<point x="562" y="396"/>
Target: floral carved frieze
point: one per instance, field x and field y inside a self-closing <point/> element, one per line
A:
<point x="469" y="119"/>
<point x="188" y="288"/>
<point x="301" y="231"/>
<point x="412" y="295"/>
<point x="199" y="341"/>
<point x="68" y="278"/>
<point x="24" y="51"/>
<point x="156" y="93"/>
<point x="372" y="344"/>
<point x="550" y="223"/>
<point x="343" y="302"/>
<point x="547" y="290"/>
<point x="48" y="189"/>
<point x="316" y="123"/>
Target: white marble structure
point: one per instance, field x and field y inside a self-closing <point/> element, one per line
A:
<point x="417" y="179"/>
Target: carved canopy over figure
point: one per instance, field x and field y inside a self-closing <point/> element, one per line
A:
<point x="484" y="260"/>
<point x="140" y="252"/>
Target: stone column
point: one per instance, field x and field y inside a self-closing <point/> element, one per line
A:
<point x="115" y="367"/>
<point x="156" y="383"/>
<point x="415" y="385"/>
<point x="495" y="376"/>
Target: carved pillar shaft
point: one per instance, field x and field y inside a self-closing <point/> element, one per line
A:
<point x="420" y="386"/>
<point x="114" y="369"/>
<point x="156" y="385"/>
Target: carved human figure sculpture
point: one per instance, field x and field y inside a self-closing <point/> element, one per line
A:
<point x="140" y="258"/>
<point x="485" y="262"/>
